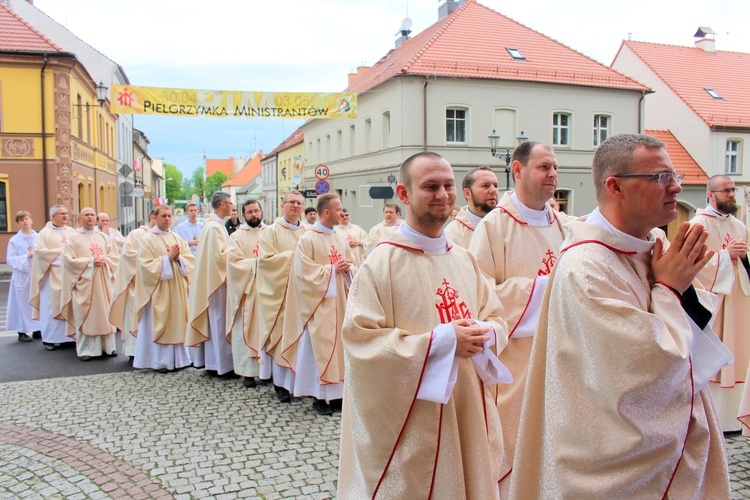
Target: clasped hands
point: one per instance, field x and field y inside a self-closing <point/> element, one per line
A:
<point x="687" y="255"/>
<point x="470" y="337"/>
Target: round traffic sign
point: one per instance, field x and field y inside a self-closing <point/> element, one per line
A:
<point x="322" y="187"/>
<point x="322" y="172"/>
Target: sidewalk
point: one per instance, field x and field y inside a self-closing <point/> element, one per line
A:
<point x="5" y="271"/>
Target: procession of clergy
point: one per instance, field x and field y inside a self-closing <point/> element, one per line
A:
<point x="596" y="342"/>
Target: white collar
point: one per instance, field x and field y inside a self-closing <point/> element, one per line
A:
<point x="289" y="224"/>
<point x="437" y="245"/>
<point x="532" y="217"/>
<point x="159" y="231"/>
<point x="475" y="219"/>
<point x="718" y="214"/>
<point x="320" y="227"/>
<point x="636" y="244"/>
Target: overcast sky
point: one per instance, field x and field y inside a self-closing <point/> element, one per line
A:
<point x="310" y="46"/>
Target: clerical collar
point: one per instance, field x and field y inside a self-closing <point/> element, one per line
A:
<point x="320" y="227"/>
<point x="718" y="214"/>
<point x="159" y="231"/>
<point x="437" y="245"/>
<point x="475" y="219"/>
<point x="532" y="217"/>
<point x="636" y="244"/>
<point x="86" y="231"/>
<point x="245" y="225"/>
<point x="289" y="224"/>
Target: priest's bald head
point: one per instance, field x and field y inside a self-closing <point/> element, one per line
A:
<point x="636" y="184"/>
<point x="88" y="218"/>
<point x="427" y="188"/>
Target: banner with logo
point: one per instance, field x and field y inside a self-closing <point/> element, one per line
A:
<point x="127" y="99"/>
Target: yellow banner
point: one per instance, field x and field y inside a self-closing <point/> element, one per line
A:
<point x="127" y="99"/>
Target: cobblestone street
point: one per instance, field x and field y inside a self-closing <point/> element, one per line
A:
<point x="145" y="435"/>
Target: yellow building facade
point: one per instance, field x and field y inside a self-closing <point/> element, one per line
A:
<point x="290" y="160"/>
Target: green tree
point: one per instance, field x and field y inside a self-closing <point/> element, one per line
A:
<point x="173" y="183"/>
<point x="214" y="182"/>
<point x="195" y="185"/>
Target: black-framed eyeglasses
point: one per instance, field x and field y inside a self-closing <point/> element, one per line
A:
<point x="662" y="178"/>
<point x="725" y="190"/>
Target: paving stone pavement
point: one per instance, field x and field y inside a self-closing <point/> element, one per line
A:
<point x="183" y="436"/>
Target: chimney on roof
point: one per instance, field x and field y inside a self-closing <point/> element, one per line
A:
<point x="705" y="39"/>
<point x="404" y="31"/>
<point x="448" y="7"/>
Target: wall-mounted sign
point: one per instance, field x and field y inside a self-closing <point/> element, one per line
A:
<point x="322" y="187"/>
<point x="322" y="172"/>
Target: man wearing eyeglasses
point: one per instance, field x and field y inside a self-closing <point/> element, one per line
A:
<point x="616" y="403"/>
<point x="726" y="274"/>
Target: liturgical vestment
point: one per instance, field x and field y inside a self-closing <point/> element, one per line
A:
<point x="18" y="313"/>
<point x="396" y="443"/>
<point x="87" y="291"/>
<point x="611" y="409"/>
<point x="161" y="301"/>
<point x="518" y="253"/>
<point x="461" y="229"/>
<point x="276" y="247"/>
<point x="378" y="233"/>
<point x="122" y="312"/>
<point x="730" y="281"/>
<point x="243" y="323"/>
<point x="46" y="282"/>
<point x="207" y="302"/>
<point x="353" y="232"/>
<point x="316" y="301"/>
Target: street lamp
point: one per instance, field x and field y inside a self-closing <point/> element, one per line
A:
<point x="101" y="96"/>
<point x="494" y="139"/>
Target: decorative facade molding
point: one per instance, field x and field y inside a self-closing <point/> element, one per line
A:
<point x="62" y="140"/>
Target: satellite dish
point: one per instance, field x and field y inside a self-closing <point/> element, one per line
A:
<point x="296" y="178"/>
<point x="406" y="24"/>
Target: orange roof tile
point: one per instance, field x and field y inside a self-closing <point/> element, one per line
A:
<point x="688" y="71"/>
<point x="225" y="165"/>
<point x="17" y="34"/>
<point x="681" y="159"/>
<point x="472" y="42"/>
<point x="295" y="138"/>
<point x="250" y="171"/>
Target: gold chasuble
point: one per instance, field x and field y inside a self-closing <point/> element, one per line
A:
<point x="610" y="409"/>
<point x="122" y="312"/>
<point x="48" y="247"/>
<point x="168" y="297"/>
<point x="460" y="229"/>
<point x="394" y="445"/>
<point x="87" y="289"/>
<point x="514" y="254"/>
<point x="353" y="232"/>
<point x="242" y="296"/>
<point x="307" y="304"/>
<point x="276" y="246"/>
<point x="209" y="274"/>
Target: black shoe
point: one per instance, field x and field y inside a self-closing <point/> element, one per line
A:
<point x="50" y="346"/>
<point x="323" y="408"/>
<point x="283" y="395"/>
<point x="22" y="337"/>
<point x="230" y="375"/>
<point x="37" y="335"/>
<point x="113" y="354"/>
<point x="130" y="360"/>
<point x="163" y="371"/>
<point x="336" y="404"/>
<point x="212" y="373"/>
<point x="85" y="358"/>
<point x="249" y="382"/>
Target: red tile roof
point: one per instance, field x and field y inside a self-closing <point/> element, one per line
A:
<point x="688" y="71"/>
<point x="681" y="159"/>
<point x="295" y="138"/>
<point x="472" y="42"/>
<point x="225" y="165"/>
<point x="17" y="34"/>
<point x="250" y="171"/>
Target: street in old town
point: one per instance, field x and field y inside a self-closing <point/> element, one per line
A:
<point x="102" y="430"/>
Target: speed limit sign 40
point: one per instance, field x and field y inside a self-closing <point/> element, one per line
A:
<point x="322" y="172"/>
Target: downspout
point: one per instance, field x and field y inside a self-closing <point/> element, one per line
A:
<point x="44" y="140"/>
<point x="424" y="114"/>
<point x="640" y="108"/>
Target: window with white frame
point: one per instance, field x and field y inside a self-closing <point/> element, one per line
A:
<point x="386" y="129"/>
<point x="352" y="140"/>
<point x="732" y="161"/>
<point x="368" y="135"/>
<point x="601" y="129"/>
<point x="561" y="129"/>
<point x="455" y="125"/>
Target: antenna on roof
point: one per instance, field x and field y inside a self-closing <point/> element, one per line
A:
<point x="405" y="28"/>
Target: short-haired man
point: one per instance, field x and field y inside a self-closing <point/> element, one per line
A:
<point x="311" y="341"/>
<point x="102" y="224"/>
<point x="311" y="215"/>
<point x="726" y="275"/>
<point x="161" y="297"/>
<point x="190" y="228"/>
<point x="47" y="278"/>
<point x="19" y="256"/>
<point x="417" y="333"/>
<point x="233" y="222"/>
<point x="208" y="294"/>
<point x="243" y="325"/>
<point x="615" y="402"/>
<point x="276" y="248"/>
<point x="516" y="245"/>
<point x="121" y="311"/>
<point x="382" y="230"/>
<point x="355" y="236"/>
<point x="89" y="261"/>
<point x="480" y="190"/>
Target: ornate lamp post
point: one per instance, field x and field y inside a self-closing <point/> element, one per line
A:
<point x="494" y="139"/>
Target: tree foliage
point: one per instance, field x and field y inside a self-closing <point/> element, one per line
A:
<point x="173" y="183"/>
<point x="214" y="182"/>
<point x="195" y="185"/>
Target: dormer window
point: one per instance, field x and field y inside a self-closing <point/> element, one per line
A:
<point x="515" y="54"/>
<point x="714" y="94"/>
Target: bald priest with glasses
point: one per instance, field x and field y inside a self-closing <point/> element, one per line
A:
<point x="726" y="275"/>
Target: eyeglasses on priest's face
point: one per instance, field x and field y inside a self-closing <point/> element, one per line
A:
<point x="663" y="178"/>
<point x="725" y="190"/>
